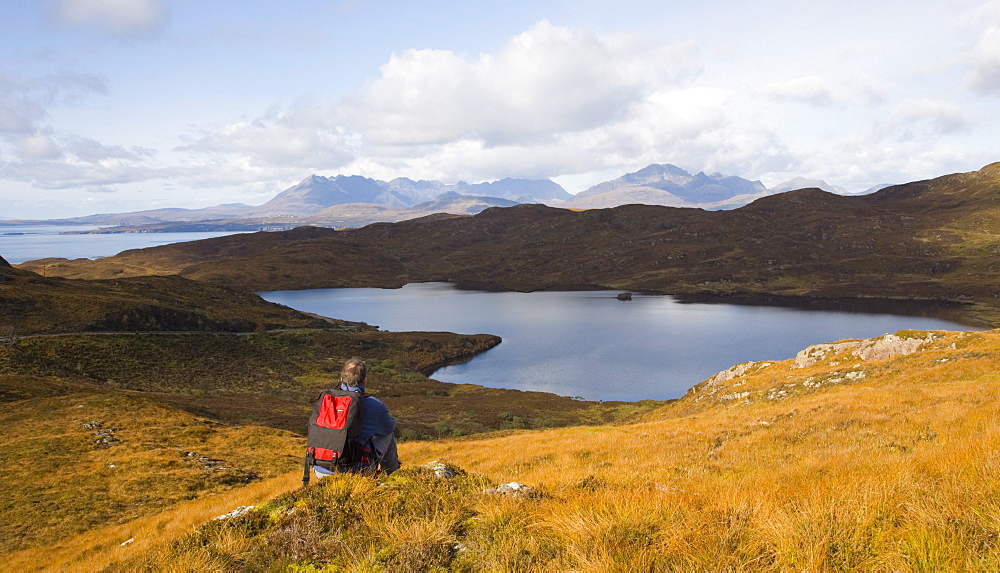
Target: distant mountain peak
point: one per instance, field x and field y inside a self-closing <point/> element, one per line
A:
<point x="661" y="169"/>
<point x="667" y="184"/>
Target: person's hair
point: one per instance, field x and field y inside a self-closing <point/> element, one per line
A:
<point x="354" y="372"/>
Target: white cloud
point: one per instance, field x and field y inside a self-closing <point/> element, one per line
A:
<point x="118" y="18"/>
<point x="37" y="145"/>
<point x="92" y="151"/>
<point x="69" y="172"/>
<point x="668" y="115"/>
<point x="812" y="90"/>
<point x="885" y="164"/>
<point x="549" y="92"/>
<point x="865" y="90"/>
<point x="18" y="114"/>
<point x="985" y="75"/>
<point x="306" y="136"/>
<point x="545" y="80"/>
<point x="693" y="128"/>
<point x="927" y="118"/>
<point x="818" y="91"/>
<point x="38" y="154"/>
<point x="24" y="102"/>
<point x="551" y="102"/>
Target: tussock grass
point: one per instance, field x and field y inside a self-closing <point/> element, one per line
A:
<point x="79" y="462"/>
<point x="105" y="430"/>
<point x="895" y="471"/>
<point x="96" y="549"/>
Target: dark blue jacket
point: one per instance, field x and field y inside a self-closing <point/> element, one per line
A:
<point x="378" y="429"/>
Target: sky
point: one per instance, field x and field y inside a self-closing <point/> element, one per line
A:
<point x="126" y="105"/>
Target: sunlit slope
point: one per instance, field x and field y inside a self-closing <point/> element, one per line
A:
<point x="109" y="437"/>
<point x="879" y="453"/>
<point x="859" y="455"/>
<point x="879" y="401"/>
<point x="76" y="462"/>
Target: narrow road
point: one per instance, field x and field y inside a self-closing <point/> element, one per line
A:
<point x="16" y="337"/>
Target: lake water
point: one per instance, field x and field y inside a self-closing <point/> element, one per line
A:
<point x="591" y="345"/>
<point x="584" y="344"/>
<point x="20" y="243"/>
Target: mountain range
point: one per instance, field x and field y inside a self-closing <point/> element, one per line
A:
<point x="316" y="193"/>
<point x="670" y="186"/>
<point x="355" y="201"/>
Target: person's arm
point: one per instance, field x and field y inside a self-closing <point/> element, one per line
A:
<point x="378" y="429"/>
<point x="377" y="420"/>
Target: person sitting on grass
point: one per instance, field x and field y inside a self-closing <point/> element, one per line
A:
<point x="378" y="427"/>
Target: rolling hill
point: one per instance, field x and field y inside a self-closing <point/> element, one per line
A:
<point x="856" y="455"/>
<point x="927" y="240"/>
<point x="31" y="304"/>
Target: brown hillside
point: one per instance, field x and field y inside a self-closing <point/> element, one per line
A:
<point x="933" y="239"/>
<point x="32" y="304"/>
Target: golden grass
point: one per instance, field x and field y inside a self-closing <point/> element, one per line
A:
<point x="898" y="470"/>
<point x="99" y="548"/>
<point x="81" y="462"/>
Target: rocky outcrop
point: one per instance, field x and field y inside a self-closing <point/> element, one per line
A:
<point x="836" y="363"/>
<point x="735" y="372"/>
<point x="881" y="348"/>
<point x="511" y="489"/>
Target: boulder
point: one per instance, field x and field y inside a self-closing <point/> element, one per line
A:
<point x="514" y="489"/>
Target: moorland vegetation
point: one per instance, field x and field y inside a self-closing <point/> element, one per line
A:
<point x="865" y="455"/>
<point x="151" y="392"/>
<point x="124" y="398"/>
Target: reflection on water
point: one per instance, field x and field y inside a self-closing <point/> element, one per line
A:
<point x="592" y="345"/>
<point x="950" y="311"/>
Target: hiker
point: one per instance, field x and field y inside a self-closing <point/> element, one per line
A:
<point x="376" y="439"/>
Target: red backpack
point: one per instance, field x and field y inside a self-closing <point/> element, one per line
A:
<point x="334" y="426"/>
